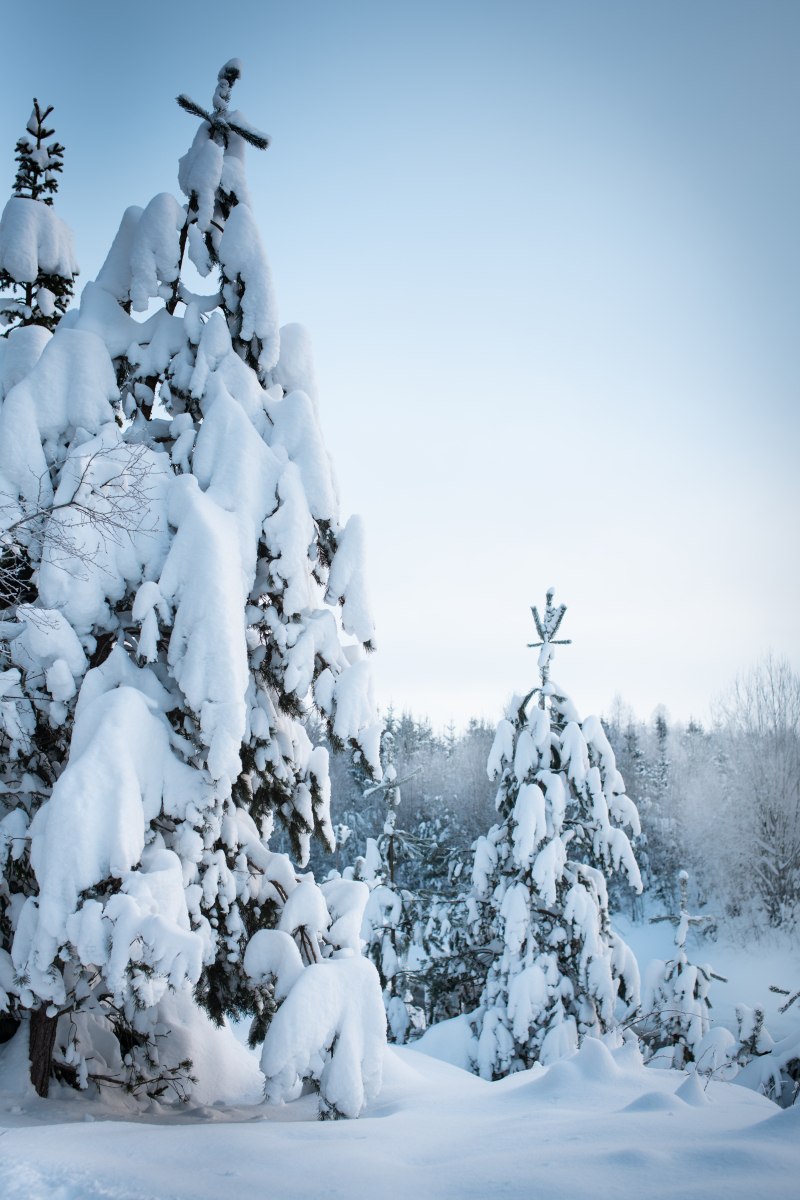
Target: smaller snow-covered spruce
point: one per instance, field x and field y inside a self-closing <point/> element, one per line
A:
<point x="539" y="904"/>
<point x="767" y="1066"/>
<point x="180" y="623"/>
<point x="37" y="259"/>
<point x="676" y="1021"/>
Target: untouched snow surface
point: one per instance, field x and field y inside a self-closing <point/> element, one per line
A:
<point x="592" y="1126"/>
<point x="595" y="1125"/>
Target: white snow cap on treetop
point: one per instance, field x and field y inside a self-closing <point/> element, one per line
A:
<point x="34" y="239"/>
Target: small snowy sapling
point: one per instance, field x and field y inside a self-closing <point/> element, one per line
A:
<point x="675" y="1005"/>
<point x="37" y="259"/>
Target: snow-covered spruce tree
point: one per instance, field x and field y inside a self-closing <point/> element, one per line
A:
<point x="675" y="1005"/>
<point x="37" y="258"/>
<point x="539" y="902"/>
<point x="183" y="623"/>
<point x="767" y="1066"/>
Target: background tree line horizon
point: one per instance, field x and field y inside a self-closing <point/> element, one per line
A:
<point x="718" y="797"/>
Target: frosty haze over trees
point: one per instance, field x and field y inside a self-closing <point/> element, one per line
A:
<point x="203" y="816"/>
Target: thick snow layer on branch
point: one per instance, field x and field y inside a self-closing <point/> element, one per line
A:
<point x="72" y="384"/>
<point x="33" y="239"/>
<point x="202" y="177"/>
<point x="202" y="577"/>
<point x="530" y="825"/>
<point x="165" y="337"/>
<point x="294" y="370"/>
<point x="101" y="315"/>
<point x="120" y="749"/>
<point x="502" y="751"/>
<point x="319" y="638"/>
<point x="21" y="351"/>
<point x="355" y="712"/>
<point x="155" y="249"/>
<point x="347" y="582"/>
<point x="237" y="470"/>
<point x="483" y="864"/>
<point x="516" y="916"/>
<point x="115" y="274"/>
<point x="234" y="177"/>
<point x="526" y="755"/>
<point x="574" y="753"/>
<point x="295" y="428"/>
<point x="203" y="169"/>
<point x="305" y="909"/>
<point x="242" y="254"/>
<point x="527" y="998"/>
<point x="272" y="954"/>
<point x="548" y="869"/>
<point x="346" y="900"/>
<point x="50" y="637"/>
<point x="331" y="1028"/>
<point x="289" y="531"/>
<point x="151" y="909"/>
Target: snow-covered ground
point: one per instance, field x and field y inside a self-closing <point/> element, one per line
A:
<point x="597" y="1124"/>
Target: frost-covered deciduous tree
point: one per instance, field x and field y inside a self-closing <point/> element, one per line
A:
<point x="37" y="258"/>
<point x="759" y="721"/>
<point x="183" y="622"/>
<point x="539" y="905"/>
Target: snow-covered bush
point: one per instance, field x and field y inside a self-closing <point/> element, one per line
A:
<point x="676" y="1017"/>
<point x="539" y="903"/>
<point x="767" y="1066"/>
<point x="37" y="258"/>
<point x="183" y="516"/>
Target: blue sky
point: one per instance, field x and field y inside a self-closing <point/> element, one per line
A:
<point x="548" y="256"/>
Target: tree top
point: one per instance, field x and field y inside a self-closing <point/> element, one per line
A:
<point x="220" y="124"/>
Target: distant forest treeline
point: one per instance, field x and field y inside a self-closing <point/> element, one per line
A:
<point x="722" y="801"/>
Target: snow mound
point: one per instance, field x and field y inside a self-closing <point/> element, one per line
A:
<point x="451" y="1041"/>
<point x="654" y="1102"/>
<point x="225" y="1070"/>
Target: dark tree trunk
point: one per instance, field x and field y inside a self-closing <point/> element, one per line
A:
<point x="42" y="1042"/>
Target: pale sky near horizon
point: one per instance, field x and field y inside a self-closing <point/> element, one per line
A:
<point x="548" y="256"/>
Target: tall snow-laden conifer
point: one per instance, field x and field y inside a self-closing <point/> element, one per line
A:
<point x="183" y="624"/>
<point x="37" y="258"/>
<point x="539" y="901"/>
